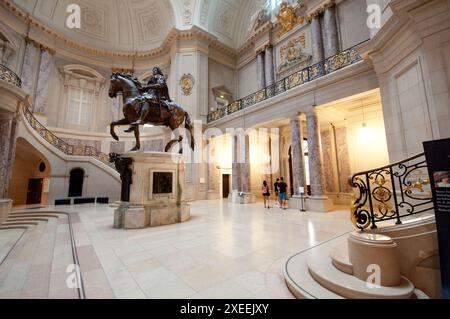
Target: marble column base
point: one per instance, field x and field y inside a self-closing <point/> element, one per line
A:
<point x="295" y="202"/>
<point x="212" y="195"/>
<point x="312" y="204"/>
<point x="246" y="198"/>
<point x="320" y="204"/>
<point x="5" y="209"/>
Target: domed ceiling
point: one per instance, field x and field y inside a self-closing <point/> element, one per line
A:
<point x="142" y="25"/>
<point x="119" y="25"/>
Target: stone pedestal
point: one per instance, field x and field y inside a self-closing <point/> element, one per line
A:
<point x="5" y="209"/>
<point x="317" y="204"/>
<point x="241" y="198"/>
<point x="158" y="192"/>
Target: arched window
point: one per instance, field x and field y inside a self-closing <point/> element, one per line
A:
<point x="76" y="182"/>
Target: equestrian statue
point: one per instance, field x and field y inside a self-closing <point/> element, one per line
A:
<point x="149" y="104"/>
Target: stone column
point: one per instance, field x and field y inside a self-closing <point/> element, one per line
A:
<point x="12" y="153"/>
<point x="317" y="42"/>
<point x="29" y="62"/>
<point x="236" y="171"/>
<point x="260" y="70"/>
<point x="6" y="141"/>
<point x="331" y="44"/>
<point x="315" y="158"/>
<point x="245" y="167"/>
<point x="269" y="68"/>
<point x="40" y="105"/>
<point x="298" y="166"/>
<point x="318" y="201"/>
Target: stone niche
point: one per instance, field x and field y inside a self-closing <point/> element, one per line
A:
<point x="157" y="194"/>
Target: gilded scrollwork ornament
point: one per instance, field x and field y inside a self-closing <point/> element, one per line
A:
<point x="187" y="83"/>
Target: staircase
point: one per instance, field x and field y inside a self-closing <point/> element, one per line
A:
<point x="36" y="249"/>
<point x="393" y="255"/>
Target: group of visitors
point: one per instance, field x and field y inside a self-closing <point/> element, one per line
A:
<point x="280" y="188"/>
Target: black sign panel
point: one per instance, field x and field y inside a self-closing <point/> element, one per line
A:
<point x="438" y="159"/>
<point x="162" y="183"/>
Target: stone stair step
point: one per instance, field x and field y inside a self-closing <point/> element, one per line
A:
<point x="348" y="286"/>
<point x="62" y="259"/>
<point x="14" y="269"/>
<point x="8" y="240"/>
<point x="37" y="281"/>
<point x="340" y="259"/>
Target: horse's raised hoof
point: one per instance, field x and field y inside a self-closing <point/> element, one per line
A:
<point x="114" y="136"/>
<point x="135" y="149"/>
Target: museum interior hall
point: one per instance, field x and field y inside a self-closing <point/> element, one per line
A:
<point x="229" y="149"/>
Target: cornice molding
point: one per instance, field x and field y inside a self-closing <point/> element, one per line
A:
<point x="174" y="34"/>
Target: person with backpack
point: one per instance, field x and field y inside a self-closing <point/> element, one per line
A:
<point x="282" y="189"/>
<point x="275" y="188"/>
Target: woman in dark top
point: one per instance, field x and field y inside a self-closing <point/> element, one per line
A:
<point x="265" y="193"/>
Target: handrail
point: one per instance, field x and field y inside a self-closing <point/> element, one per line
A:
<point x="391" y="192"/>
<point x="308" y="74"/>
<point x="60" y="144"/>
<point x="6" y="74"/>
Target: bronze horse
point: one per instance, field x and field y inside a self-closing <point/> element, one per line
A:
<point x="167" y="114"/>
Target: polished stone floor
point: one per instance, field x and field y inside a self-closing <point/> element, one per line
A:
<point x="224" y="251"/>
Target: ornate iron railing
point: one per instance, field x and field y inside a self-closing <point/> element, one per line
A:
<point x="9" y="76"/>
<point x="313" y="72"/>
<point x="391" y="193"/>
<point x="60" y="144"/>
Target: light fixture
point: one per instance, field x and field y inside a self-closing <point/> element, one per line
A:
<point x="364" y="124"/>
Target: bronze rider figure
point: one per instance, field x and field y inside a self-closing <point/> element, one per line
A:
<point x="155" y="92"/>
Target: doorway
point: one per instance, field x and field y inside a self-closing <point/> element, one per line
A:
<point x="76" y="182"/>
<point x="34" y="192"/>
<point x="225" y="185"/>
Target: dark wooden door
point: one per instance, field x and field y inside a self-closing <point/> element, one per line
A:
<point x="225" y="185"/>
<point x="34" y="194"/>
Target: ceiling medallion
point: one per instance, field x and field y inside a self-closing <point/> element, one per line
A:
<point x="187" y="83"/>
<point x="288" y="18"/>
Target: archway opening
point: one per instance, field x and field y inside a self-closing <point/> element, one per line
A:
<point x="30" y="176"/>
<point x="76" y="182"/>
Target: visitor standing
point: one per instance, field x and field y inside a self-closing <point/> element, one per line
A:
<point x="275" y="188"/>
<point x="266" y="194"/>
<point x="282" y="188"/>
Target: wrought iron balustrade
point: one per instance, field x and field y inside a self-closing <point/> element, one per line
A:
<point x="60" y="144"/>
<point x="9" y="76"/>
<point x="313" y="72"/>
<point x="391" y="193"/>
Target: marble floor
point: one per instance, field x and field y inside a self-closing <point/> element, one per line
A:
<point x="224" y="251"/>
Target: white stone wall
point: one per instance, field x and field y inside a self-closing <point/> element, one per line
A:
<point x="247" y="79"/>
<point x="219" y="75"/>
<point x="352" y="21"/>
